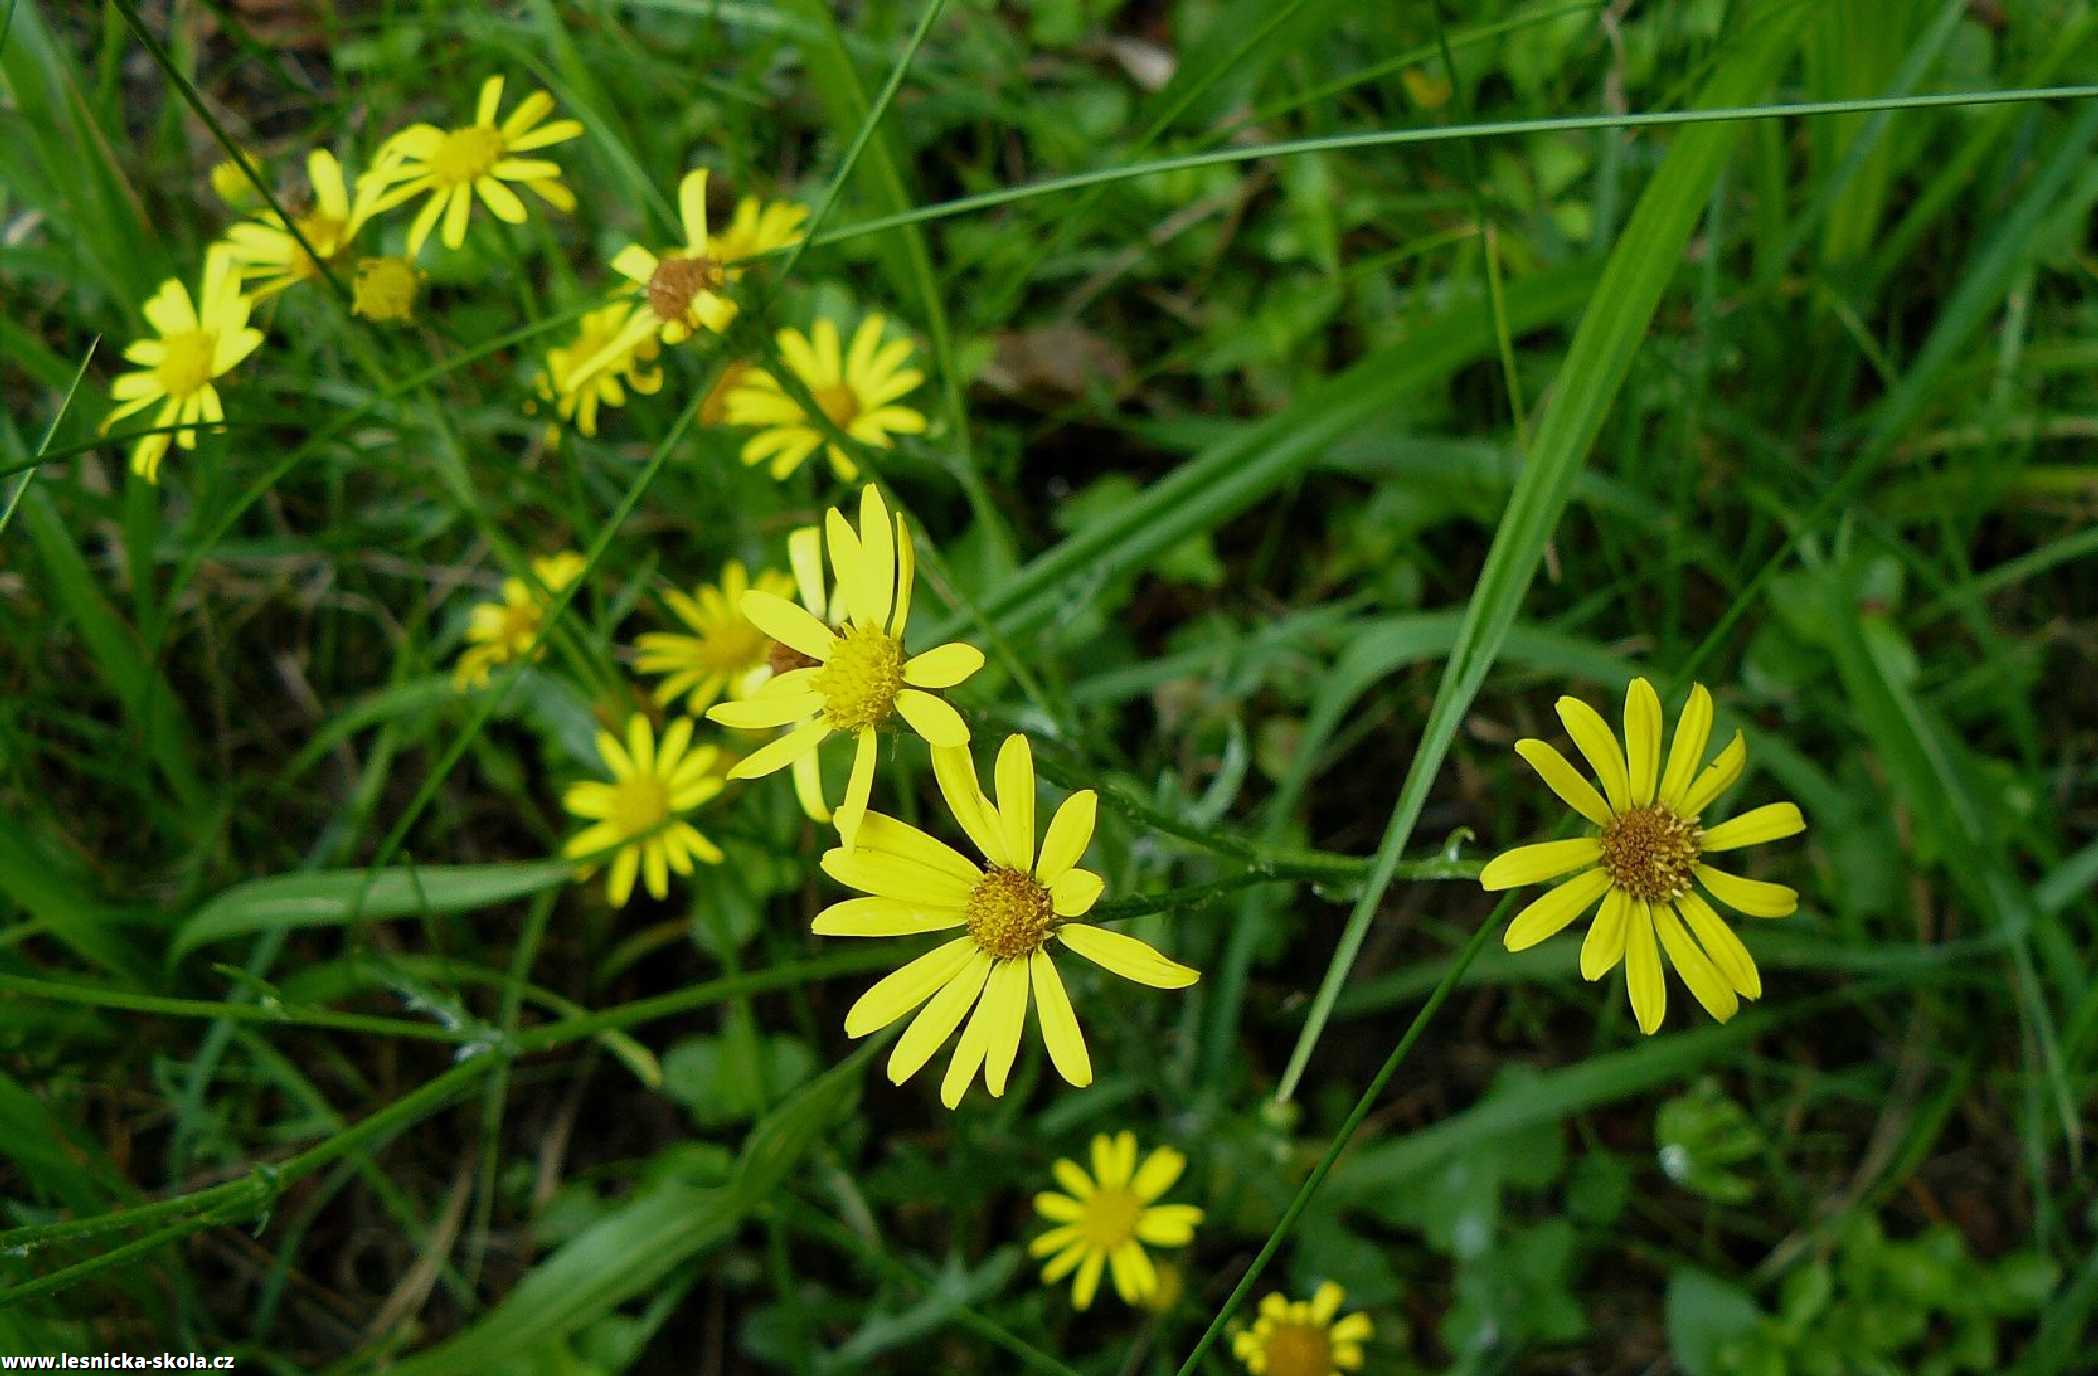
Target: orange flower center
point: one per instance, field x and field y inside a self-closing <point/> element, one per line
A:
<point x="1009" y="916"/>
<point x="1299" y="1349"/>
<point x="186" y="366"/>
<point x="639" y="803"/>
<point x="1649" y="852"/>
<point x="860" y="680"/>
<point x="1110" y="1216"/>
<point x="676" y="281"/>
<point x="467" y="155"/>
<point x="840" y="404"/>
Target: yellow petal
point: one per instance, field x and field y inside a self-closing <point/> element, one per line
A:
<point x="1007" y="995"/>
<point x="937" y="1020"/>
<point x="955" y="771"/>
<point x="1535" y="864"/>
<point x="692" y="207"/>
<point x="932" y="718"/>
<point x="1075" y="892"/>
<point x="883" y="917"/>
<point x="766" y="710"/>
<point x="1087" y="1282"/>
<point x="859" y="786"/>
<point x="1770" y="822"/>
<point x="886" y="835"/>
<point x="1059" y="1023"/>
<point x="1642" y="739"/>
<point x="877" y="552"/>
<point x="1168" y="1225"/>
<point x="1642" y="968"/>
<point x="968" y="1055"/>
<point x="805" y="555"/>
<point x="889" y="876"/>
<point x="1070" y="832"/>
<point x="1692" y="730"/>
<point x="1547" y="915"/>
<point x="1603" y="947"/>
<point x="1722" y="945"/>
<point x="786" y="750"/>
<point x="1591" y="736"/>
<point x="1016" y="800"/>
<point x="789" y="624"/>
<point x="1706" y="984"/>
<point x="943" y="666"/>
<point x="1126" y="956"/>
<point x="1157" y="1174"/>
<point x="1563" y="779"/>
<point x="1755" y="897"/>
<point x="905" y="988"/>
<point x="1718" y="777"/>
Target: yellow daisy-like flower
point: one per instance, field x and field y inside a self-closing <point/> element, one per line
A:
<point x="680" y="289"/>
<point x="1105" y="1219"/>
<point x="857" y="393"/>
<point x="722" y="651"/>
<point x="1647" y="848"/>
<point x="507" y="628"/>
<point x="1010" y="912"/>
<point x="636" y="817"/>
<point x="855" y="679"/>
<point x="576" y="393"/>
<point x="198" y="340"/>
<point x="383" y="289"/>
<point x="1302" y="1338"/>
<point x="269" y="254"/>
<point x="452" y="166"/>
<point x="756" y="229"/>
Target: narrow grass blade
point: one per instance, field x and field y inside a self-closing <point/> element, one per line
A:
<point x="330" y="898"/>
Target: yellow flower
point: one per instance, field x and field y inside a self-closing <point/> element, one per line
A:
<point x="1647" y="848"/>
<point x="577" y="393"/>
<point x="1300" y="1338"/>
<point x="755" y="229"/>
<point x="724" y="652"/>
<point x="451" y="166"/>
<point x="1009" y="912"/>
<point x="508" y="628"/>
<point x="636" y="816"/>
<point x="384" y="289"/>
<point x="1104" y="1220"/>
<point x="856" y="679"/>
<point x="269" y="254"/>
<point x="198" y="341"/>
<point x="680" y="289"/>
<point x="857" y="394"/>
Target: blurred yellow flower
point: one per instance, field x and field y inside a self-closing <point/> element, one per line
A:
<point x="755" y="229"/>
<point x="1009" y="912"/>
<point x="576" y="391"/>
<point x="681" y="289"/>
<point x="857" y="394"/>
<point x="508" y="627"/>
<point x="269" y="254"/>
<point x="1105" y="1219"/>
<point x="721" y="650"/>
<point x="384" y="289"/>
<point x="1647" y="848"/>
<point x="198" y="341"/>
<point x="451" y="166"/>
<point x="856" y="679"/>
<point x="636" y="816"/>
<point x="1301" y="1338"/>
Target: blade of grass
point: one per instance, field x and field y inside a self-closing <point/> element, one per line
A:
<point x="1638" y="271"/>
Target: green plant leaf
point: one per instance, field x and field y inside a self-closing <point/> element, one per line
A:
<point x="330" y="897"/>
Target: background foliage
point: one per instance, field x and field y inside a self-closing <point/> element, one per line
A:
<point x="1301" y="485"/>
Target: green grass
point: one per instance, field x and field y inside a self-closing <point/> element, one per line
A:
<point x="1299" y="433"/>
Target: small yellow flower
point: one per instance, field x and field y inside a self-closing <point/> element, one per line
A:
<point x="1301" y="1338"/>
<point x="680" y="289"/>
<point x="756" y="229"/>
<point x="1647" y="848"/>
<point x="724" y="651"/>
<point x="198" y="341"/>
<point x="637" y="815"/>
<point x="452" y="166"/>
<point x="857" y="394"/>
<point x="269" y="254"/>
<point x="1105" y="1219"/>
<point x="858" y="678"/>
<point x="1009" y="912"/>
<point x="383" y="289"/>
<point x="576" y="393"/>
<point x="508" y="628"/>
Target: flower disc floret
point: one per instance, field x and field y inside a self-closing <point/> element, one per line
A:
<point x="860" y="680"/>
<point x="1650" y="852"/>
<point x="1009" y="913"/>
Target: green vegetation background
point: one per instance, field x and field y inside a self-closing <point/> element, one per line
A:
<point x="1301" y="485"/>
